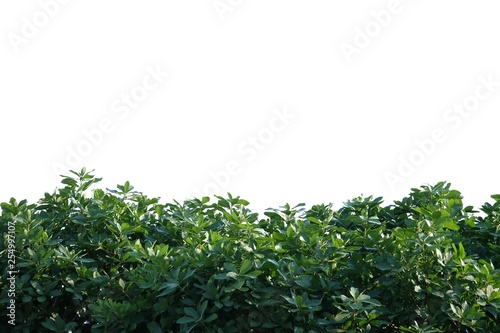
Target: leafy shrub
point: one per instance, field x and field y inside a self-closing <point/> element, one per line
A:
<point x="118" y="261"/>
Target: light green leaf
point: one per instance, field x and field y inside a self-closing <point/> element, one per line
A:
<point x="253" y="274"/>
<point x="121" y="283"/>
<point x="289" y="300"/>
<point x="450" y="224"/>
<point x="314" y="220"/>
<point x="341" y="317"/>
<point x="245" y="267"/>
<point x="496" y="197"/>
<point x="212" y="317"/>
<point x="201" y="308"/>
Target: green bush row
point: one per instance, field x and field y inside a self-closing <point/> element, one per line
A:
<point x="118" y="261"/>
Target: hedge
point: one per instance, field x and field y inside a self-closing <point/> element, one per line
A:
<point x="84" y="259"/>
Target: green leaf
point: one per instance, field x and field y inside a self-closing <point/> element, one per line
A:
<point x="243" y="202"/>
<point x="313" y="303"/>
<point x="354" y="292"/>
<point x="186" y="320"/>
<point x="341" y="317"/>
<point x="383" y="266"/>
<point x="201" y="308"/>
<point x="372" y="301"/>
<point x="450" y="224"/>
<point x="49" y="324"/>
<point x="154" y="327"/>
<point x="86" y="185"/>
<point x="461" y="251"/>
<point x="229" y="267"/>
<point x="253" y="274"/>
<point x="121" y="283"/>
<point x="210" y="318"/>
<point x="314" y="220"/>
<point x="37" y="286"/>
<point x="168" y="288"/>
<point x="54" y="293"/>
<point x="289" y="300"/>
<point x="221" y="276"/>
<point x="455" y="310"/>
<point x="60" y="324"/>
<point x="245" y="267"/>
<point x="191" y="312"/>
<point x="304" y="281"/>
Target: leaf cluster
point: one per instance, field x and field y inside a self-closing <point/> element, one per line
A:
<point x="114" y="260"/>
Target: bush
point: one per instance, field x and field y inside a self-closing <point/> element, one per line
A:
<point x="118" y="261"/>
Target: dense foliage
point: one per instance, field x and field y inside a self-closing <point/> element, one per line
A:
<point x="118" y="261"/>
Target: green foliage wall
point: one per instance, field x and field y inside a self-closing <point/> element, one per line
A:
<point x="118" y="261"/>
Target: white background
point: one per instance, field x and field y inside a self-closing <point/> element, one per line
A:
<point x="231" y="66"/>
